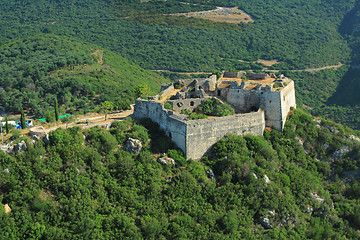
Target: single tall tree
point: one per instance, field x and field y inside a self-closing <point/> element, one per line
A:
<point x="56" y="110"/>
<point x="22" y="119"/>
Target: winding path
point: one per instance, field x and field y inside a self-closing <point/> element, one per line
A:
<point x="88" y="122"/>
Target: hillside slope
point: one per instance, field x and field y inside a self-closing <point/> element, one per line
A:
<point x="301" y="183"/>
<point x="299" y="34"/>
<point x="36" y="70"/>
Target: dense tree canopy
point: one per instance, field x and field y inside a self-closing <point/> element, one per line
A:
<point x="82" y="184"/>
<point x="37" y="70"/>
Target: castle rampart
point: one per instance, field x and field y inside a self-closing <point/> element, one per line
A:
<point x="202" y="134"/>
<point x="264" y="101"/>
<point x="275" y="102"/>
<point x="195" y="137"/>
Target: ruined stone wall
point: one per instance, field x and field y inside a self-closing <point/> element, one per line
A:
<point x="243" y="100"/>
<point x="166" y="89"/>
<point x="173" y="125"/>
<point x="195" y="137"/>
<point x="270" y="102"/>
<point x="202" y="134"/>
<point x="275" y="103"/>
<point x="287" y="100"/>
<point x="181" y="104"/>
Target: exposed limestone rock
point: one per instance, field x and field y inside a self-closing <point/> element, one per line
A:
<point x="46" y="139"/>
<point x="272" y="212"/>
<point x="309" y="210"/>
<point x="265" y="222"/>
<point x="133" y="146"/>
<point x="7" y="209"/>
<point x="318" y="123"/>
<point x="254" y="175"/>
<point x="340" y="152"/>
<point x="316" y="197"/>
<point x="267" y="180"/>
<point x="354" y="138"/>
<point x="20" y="147"/>
<point x="7" y="148"/>
<point x="166" y="161"/>
<point x="332" y="129"/>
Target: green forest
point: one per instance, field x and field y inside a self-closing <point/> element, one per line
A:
<point x="82" y="184"/>
<point x="299" y="34"/>
<point x="79" y="57"/>
<point x="37" y="70"/>
<point x="304" y="35"/>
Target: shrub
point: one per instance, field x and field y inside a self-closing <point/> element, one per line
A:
<point x="213" y="107"/>
<point x="167" y="106"/>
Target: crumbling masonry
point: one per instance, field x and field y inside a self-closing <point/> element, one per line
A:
<point x="259" y="101"/>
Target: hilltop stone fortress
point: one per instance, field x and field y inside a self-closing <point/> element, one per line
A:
<point x="259" y="100"/>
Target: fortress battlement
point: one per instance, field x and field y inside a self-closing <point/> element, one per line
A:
<point x="258" y="103"/>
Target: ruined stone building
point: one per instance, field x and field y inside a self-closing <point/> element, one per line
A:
<point x="259" y="101"/>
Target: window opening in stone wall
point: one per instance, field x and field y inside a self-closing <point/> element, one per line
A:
<point x="192" y="103"/>
<point x="218" y="92"/>
<point x="170" y="135"/>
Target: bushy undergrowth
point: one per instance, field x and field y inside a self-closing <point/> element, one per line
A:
<point x="82" y="184"/>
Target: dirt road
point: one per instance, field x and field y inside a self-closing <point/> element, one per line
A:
<point x="88" y="122"/>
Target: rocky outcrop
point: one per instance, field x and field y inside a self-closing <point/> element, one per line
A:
<point x="265" y="222"/>
<point x="340" y="152"/>
<point x="7" y="148"/>
<point x="20" y="147"/>
<point x="133" y="146"/>
<point x="267" y="180"/>
<point x="46" y="139"/>
<point x="316" y="197"/>
<point x="166" y="161"/>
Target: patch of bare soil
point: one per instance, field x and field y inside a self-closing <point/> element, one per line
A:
<point x="221" y="14"/>
<point x="267" y="63"/>
<point x="100" y="55"/>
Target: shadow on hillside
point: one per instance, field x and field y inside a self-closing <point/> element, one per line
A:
<point x="347" y="92"/>
<point x="348" y="23"/>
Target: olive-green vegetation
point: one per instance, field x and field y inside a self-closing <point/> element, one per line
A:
<point x="298" y="33"/>
<point x="193" y="115"/>
<point x="37" y="71"/>
<point x="213" y="107"/>
<point x="82" y="184"/>
<point x="210" y="107"/>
